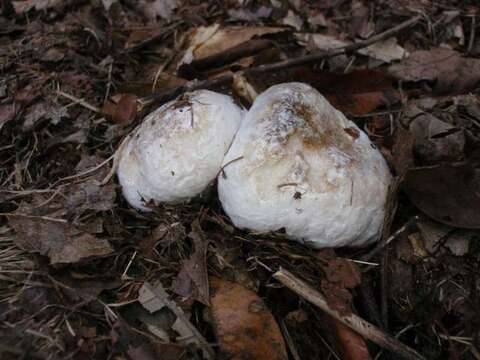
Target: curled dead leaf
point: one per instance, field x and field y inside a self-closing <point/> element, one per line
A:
<point x="208" y="41"/>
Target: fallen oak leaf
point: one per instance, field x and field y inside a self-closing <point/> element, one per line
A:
<point x="245" y="328"/>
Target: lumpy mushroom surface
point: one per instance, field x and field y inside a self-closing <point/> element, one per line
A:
<point x="178" y="149"/>
<point x="299" y="164"/>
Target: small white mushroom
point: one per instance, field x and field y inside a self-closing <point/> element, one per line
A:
<point x="178" y="149"/>
<point x="300" y="165"/>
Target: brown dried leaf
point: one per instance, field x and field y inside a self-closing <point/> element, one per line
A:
<point x="357" y="93"/>
<point x="46" y="110"/>
<point x="387" y="50"/>
<point x="448" y="193"/>
<point x="436" y="140"/>
<point x="142" y="352"/>
<point x="90" y="195"/>
<point x="350" y="344"/>
<point x="244" y="327"/>
<point x="24" y="6"/>
<point x="86" y="289"/>
<point x="402" y="151"/>
<point x="340" y="276"/>
<point x="59" y="240"/>
<point x="156" y="298"/>
<point x="208" y="41"/>
<point x="452" y="73"/>
<point x="150" y="301"/>
<point x="125" y="110"/>
<point x="159" y="8"/>
<point x="192" y="281"/>
<point x="249" y="15"/>
<point x="7" y="113"/>
<point x="53" y="54"/>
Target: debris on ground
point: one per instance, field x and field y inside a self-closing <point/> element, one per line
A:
<point x="83" y="275"/>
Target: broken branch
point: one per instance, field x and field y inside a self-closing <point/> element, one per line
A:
<point x="361" y="326"/>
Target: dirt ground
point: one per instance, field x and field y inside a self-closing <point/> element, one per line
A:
<point x="83" y="275"/>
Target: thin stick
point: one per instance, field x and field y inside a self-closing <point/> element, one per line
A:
<point x="79" y="101"/>
<point x="86" y="172"/>
<point x="116" y="160"/>
<point x="382" y="244"/>
<point x="353" y="321"/>
<point x="289" y="340"/>
<point x="46" y="218"/>
<point x="472" y="35"/>
<point x="302" y="60"/>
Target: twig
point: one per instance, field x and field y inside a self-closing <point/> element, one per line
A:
<point x="116" y="160"/>
<point x="244" y="49"/>
<point x="384" y="290"/>
<point x="353" y="321"/>
<point x="368" y="300"/>
<point x="222" y="170"/>
<point x="381" y="245"/>
<point x="472" y="35"/>
<point x="46" y="218"/>
<point x="86" y="172"/>
<point x="153" y="38"/>
<point x="289" y="341"/>
<point x="79" y="101"/>
<point x="302" y="60"/>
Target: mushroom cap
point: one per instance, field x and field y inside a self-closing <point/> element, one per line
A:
<point x="300" y="165"/>
<point x="178" y="149"/>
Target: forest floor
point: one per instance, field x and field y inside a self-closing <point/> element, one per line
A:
<point x="85" y="276"/>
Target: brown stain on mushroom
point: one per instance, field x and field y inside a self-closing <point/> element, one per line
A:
<point x="293" y="119"/>
<point x="315" y="129"/>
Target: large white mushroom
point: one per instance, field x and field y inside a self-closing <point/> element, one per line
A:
<point x="300" y="165"/>
<point x="178" y="149"/>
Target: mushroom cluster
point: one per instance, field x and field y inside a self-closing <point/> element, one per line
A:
<point x="295" y="164"/>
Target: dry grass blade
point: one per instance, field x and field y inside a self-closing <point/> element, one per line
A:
<point x="353" y="321"/>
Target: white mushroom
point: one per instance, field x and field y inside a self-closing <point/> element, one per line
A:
<point x="300" y="165"/>
<point x="178" y="149"/>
